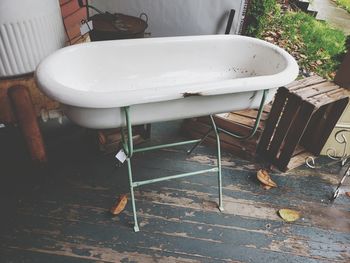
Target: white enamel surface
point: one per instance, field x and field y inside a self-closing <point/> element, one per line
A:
<point x="102" y="118"/>
<point x="29" y="31"/>
<point x="95" y="79"/>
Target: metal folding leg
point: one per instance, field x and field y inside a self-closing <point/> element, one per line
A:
<point x="237" y="136"/>
<point x="129" y="150"/>
<point x="221" y="207"/>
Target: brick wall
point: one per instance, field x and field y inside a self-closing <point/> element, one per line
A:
<point x="72" y="15"/>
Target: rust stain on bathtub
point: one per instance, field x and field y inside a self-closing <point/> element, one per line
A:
<point x="191" y="94"/>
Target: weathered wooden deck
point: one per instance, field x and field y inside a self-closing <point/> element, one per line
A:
<point x="62" y="216"/>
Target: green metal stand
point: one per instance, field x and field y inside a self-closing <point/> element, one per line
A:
<point x="129" y="151"/>
<point x="236" y="136"/>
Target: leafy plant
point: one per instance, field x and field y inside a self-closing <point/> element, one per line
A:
<point x="344" y="4"/>
<point x="315" y="44"/>
<point x="257" y="16"/>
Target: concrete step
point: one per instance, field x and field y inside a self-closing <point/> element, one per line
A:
<point x="305" y="6"/>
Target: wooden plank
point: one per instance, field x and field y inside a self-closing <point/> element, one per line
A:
<point x="314" y="90"/>
<point x="313" y="128"/>
<point x="329" y="97"/>
<point x="294" y="135"/>
<point x="305" y="82"/>
<point x="283" y="127"/>
<point x="326" y="125"/>
<point x="231" y="126"/>
<point x="299" y="149"/>
<point x="251" y="114"/>
<point x="204" y="127"/>
<point x="298" y="160"/>
<point x="234" y="119"/>
<point x="67" y="216"/>
<point x="174" y="199"/>
<point x="244" y="149"/>
<point x="165" y="241"/>
<point x="15" y="254"/>
<point x="273" y="119"/>
<point x="176" y="212"/>
<point x="186" y="219"/>
<point x="242" y="120"/>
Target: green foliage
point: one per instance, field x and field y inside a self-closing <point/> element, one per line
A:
<point x="257" y="15"/>
<point x="344" y="4"/>
<point x="321" y="44"/>
<point x="316" y="45"/>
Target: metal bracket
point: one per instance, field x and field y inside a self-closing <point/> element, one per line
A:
<point x="256" y="124"/>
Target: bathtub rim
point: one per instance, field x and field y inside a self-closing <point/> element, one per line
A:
<point x="107" y="99"/>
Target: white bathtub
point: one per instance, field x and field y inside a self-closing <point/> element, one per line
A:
<point x="163" y="78"/>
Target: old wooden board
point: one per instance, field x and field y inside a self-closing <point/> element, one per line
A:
<point x="62" y="215"/>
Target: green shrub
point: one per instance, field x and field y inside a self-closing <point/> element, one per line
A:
<point x="316" y="45"/>
<point x="321" y="44"/>
<point x="257" y="16"/>
<point x="344" y="4"/>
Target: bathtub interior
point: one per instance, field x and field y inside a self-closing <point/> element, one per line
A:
<point x="141" y="64"/>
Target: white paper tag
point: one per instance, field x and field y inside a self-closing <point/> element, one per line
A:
<point x="121" y="156"/>
<point x="86" y="27"/>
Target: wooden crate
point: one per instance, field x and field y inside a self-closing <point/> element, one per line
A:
<point x="303" y="113"/>
<point x="296" y="126"/>
<point x="109" y="140"/>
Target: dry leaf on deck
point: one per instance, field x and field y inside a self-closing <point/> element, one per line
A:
<point x="266" y="187"/>
<point x="347" y="194"/>
<point x="289" y="215"/>
<point x="265" y="178"/>
<point x="120" y="205"/>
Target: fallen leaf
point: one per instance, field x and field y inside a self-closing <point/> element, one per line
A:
<point x="332" y="75"/>
<point x="347" y="194"/>
<point x="289" y="215"/>
<point x="269" y="39"/>
<point x="266" y="187"/>
<point x="119" y="205"/>
<point x="264" y="177"/>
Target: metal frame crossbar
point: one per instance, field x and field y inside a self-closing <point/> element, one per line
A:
<point x="129" y="151"/>
<point x="128" y="147"/>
